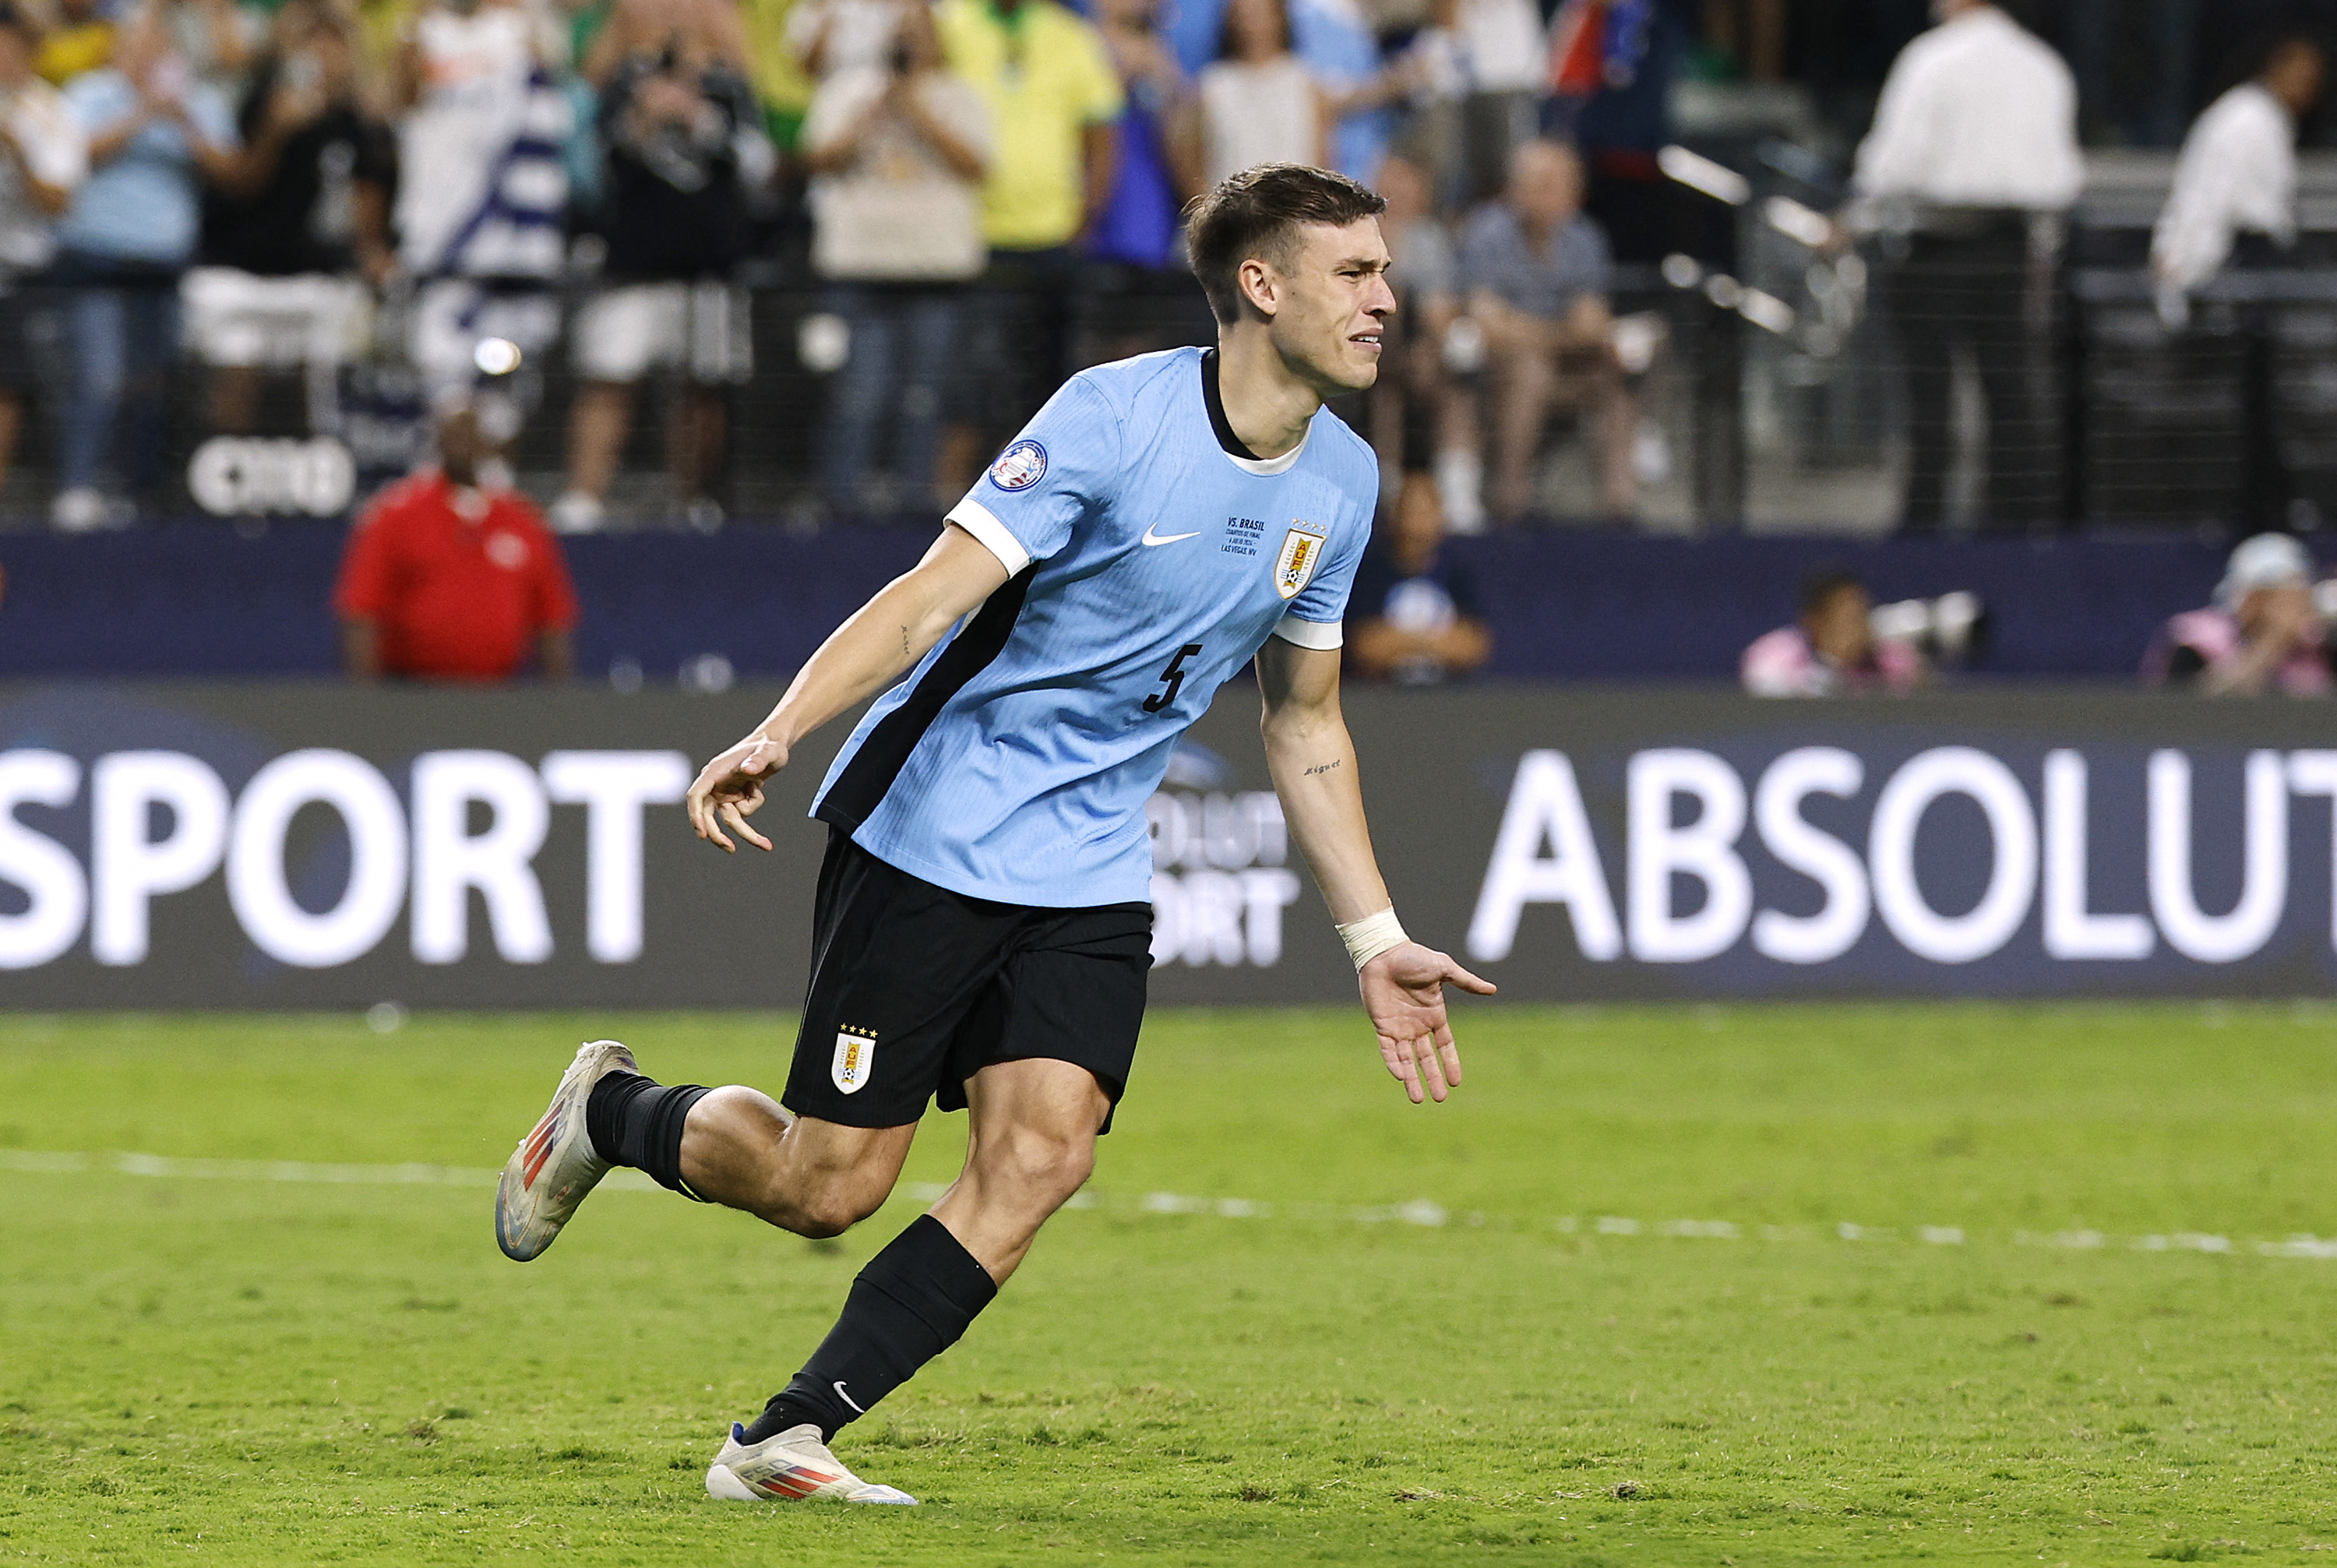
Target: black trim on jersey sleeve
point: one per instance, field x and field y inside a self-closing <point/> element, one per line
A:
<point x="1217" y="402"/>
<point x="861" y="787"/>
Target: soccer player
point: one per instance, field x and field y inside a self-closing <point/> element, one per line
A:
<point x="981" y="933"/>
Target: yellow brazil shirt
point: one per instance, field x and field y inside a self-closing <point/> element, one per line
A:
<point x="73" y="49"/>
<point x="1044" y="75"/>
<point x="780" y="78"/>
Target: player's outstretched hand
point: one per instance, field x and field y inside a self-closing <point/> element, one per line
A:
<point x="1404" y="991"/>
<point x="730" y="788"/>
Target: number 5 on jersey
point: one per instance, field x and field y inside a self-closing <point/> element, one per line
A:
<point x="1175" y="677"/>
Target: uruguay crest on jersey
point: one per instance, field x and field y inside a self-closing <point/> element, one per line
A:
<point x="855" y="1059"/>
<point x="1302" y="552"/>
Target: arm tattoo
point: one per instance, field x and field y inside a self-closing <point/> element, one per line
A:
<point x="1321" y="768"/>
<point x="906" y="650"/>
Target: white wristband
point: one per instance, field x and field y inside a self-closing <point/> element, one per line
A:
<point x="1372" y="936"/>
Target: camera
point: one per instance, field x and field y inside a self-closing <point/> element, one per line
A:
<point x="1951" y="631"/>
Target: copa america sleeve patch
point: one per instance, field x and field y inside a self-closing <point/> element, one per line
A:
<point x="1020" y="466"/>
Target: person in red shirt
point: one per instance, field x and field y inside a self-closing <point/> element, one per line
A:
<point x="445" y="580"/>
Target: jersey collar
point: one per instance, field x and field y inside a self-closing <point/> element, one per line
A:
<point x="1236" y="452"/>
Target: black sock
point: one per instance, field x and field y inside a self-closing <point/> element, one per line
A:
<point x="635" y="1121"/>
<point x="912" y="1301"/>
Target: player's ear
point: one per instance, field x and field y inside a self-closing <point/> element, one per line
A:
<point x="1260" y="285"/>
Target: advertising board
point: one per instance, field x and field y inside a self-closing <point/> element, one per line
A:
<point x="314" y="846"/>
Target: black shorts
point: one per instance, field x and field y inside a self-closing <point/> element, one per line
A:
<point x="915" y="989"/>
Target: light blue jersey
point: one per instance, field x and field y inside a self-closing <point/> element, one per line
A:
<point x="1148" y="563"/>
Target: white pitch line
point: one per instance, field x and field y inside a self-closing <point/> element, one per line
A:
<point x="1420" y="1211"/>
<point x="40" y="1162"/>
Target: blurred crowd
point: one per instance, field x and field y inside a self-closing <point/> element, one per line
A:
<point x="237" y="207"/>
<point x="253" y="197"/>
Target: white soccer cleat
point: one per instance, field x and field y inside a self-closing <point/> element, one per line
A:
<point x="554" y="1168"/>
<point x="794" y="1466"/>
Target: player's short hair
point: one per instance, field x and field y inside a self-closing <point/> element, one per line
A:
<point x="1819" y="586"/>
<point x="1254" y="213"/>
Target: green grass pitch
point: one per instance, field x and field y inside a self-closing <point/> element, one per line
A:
<point x="1602" y="1307"/>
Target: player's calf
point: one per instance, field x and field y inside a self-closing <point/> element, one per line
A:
<point x="802" y="1174"/>
<point x="1035" y="1125"/>
<point x="1015" y="1178"/>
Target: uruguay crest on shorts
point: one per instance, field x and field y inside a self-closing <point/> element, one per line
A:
<point x="855" y="1059"/>
<point x="1302" y="552"/>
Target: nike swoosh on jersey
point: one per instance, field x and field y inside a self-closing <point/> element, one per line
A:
<point x="1152" y="538"/>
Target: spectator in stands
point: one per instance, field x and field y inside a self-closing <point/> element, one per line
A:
<point x="897" y="151"/>
<point x="832" y="35"/>
<point x="1053" y="101"/>
<point x="684" y="153"/>
<point x="445" y="579"/>
<point x="285" y="268"/>
<point x="1831" y="651"/>
<point x="1417" y="617"/>
<point x="2236" y="176"/>
<point x="1255" y="105"/>
<point x="1408" y="400"/>
<point x="2234" y="205"/>
<point x="1535" y="274"/>
<point x="1479" y="68"/>
<point x="2263" y="634"/>
<point x="1338" y="43"/>
<point x="708" y="30"/>
<point x="210" y="35"/>
<point x="156" y="134"/>
<point x="79" y="41"/>
<point x="1137" y="227"/>
<point x="1613" y="66"/>
<point x="482" y="197"/>
<point x="43" y="157"/>
<point x="1142" y="298"/>
<point x="1974" y="143"/>
<point x="782" y="86"/>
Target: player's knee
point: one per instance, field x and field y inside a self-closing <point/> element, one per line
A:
<point x="1046" y="1165"/>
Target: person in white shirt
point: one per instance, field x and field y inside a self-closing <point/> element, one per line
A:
<point x="2234" y="204"/>
<point x="1977" y="112"/>
<point x="831" y="36"/>
<point x="1258" y="104"/>
<point x="1973" y="153"/>
<point x="897" y="153"/>
<point x="43" y="158"/>
<point x="2237" y="172"/>
<point x="482" y="197"/>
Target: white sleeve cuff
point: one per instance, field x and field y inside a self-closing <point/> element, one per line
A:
<point x="1323" y="636"/>
<point x="978" y="520"/>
